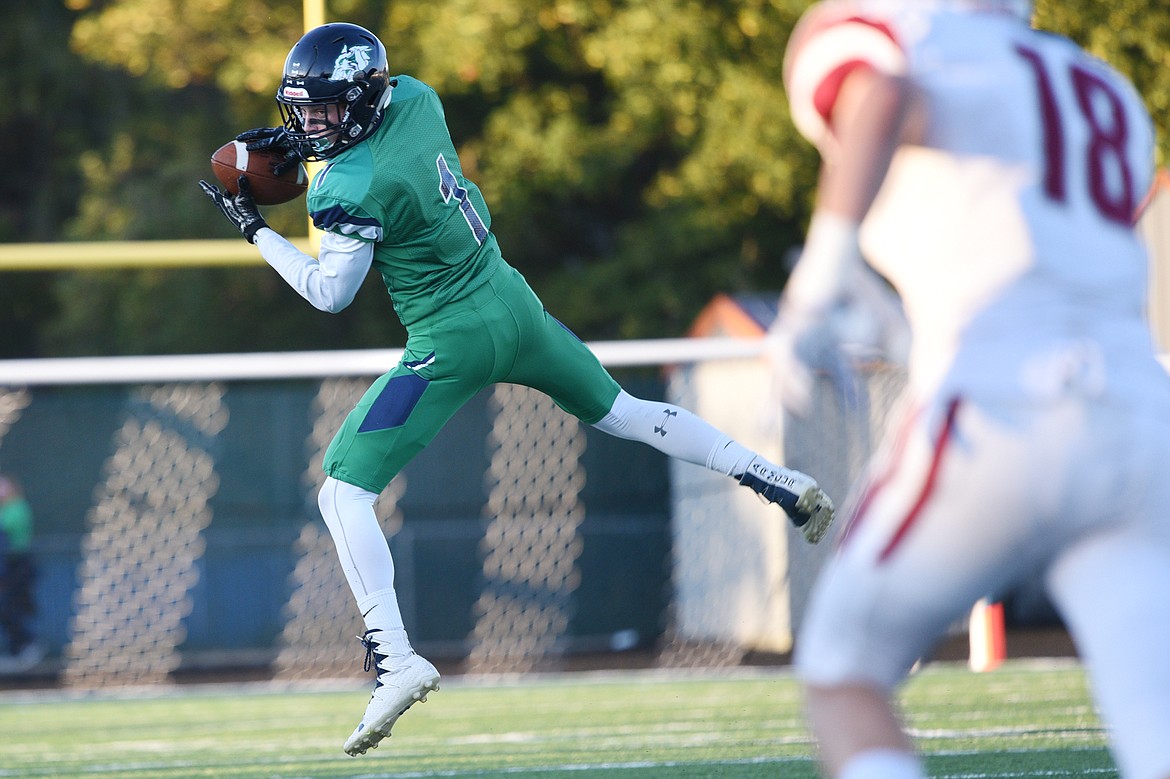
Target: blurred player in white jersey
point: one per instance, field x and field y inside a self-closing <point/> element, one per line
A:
<point x="992" y="174"/>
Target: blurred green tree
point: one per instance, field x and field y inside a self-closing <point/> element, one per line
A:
<point x="637" y="154"/>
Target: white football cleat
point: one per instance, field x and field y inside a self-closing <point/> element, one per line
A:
<point x="397" y="688"/>
<point x="806" y="504"/>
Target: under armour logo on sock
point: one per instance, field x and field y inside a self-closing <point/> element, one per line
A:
<point x="666" y="415"/>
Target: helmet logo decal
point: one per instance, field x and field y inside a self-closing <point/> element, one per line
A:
<point x="351" y="60"/>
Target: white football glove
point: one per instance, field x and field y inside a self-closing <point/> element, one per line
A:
<point x="801" y="345"/>
<point x="833" y="309"/>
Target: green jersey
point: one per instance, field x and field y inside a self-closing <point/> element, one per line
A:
<point x="403" y="190"/>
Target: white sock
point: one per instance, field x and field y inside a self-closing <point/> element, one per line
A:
<point x="883" y="764"/>
<point x="365" y="559"/>
<point x="676" y="432"/>
<point x="732" y="458"/>
<point x="381" y="613"/>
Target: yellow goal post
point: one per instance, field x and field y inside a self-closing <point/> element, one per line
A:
<point x="107" y="255"/>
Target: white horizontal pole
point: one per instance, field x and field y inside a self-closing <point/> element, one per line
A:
<point x="315" y="365"/>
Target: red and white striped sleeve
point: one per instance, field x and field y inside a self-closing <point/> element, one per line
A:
<point x="830" y="41"/>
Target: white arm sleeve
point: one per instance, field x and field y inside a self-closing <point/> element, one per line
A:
<point x="330" y="281"/>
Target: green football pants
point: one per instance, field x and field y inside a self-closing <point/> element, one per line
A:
<point x="498" y="333"/>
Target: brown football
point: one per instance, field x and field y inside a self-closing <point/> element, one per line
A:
<point x="233" y="158"/>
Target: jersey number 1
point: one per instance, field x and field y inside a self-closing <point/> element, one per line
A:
<point x="1106" y="144"/>
<point x="450" y="190"/>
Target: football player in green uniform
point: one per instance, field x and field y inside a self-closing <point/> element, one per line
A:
<point x="393" y="196"/>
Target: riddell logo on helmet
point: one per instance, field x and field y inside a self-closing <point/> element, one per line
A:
<point x="295" y="92"/>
